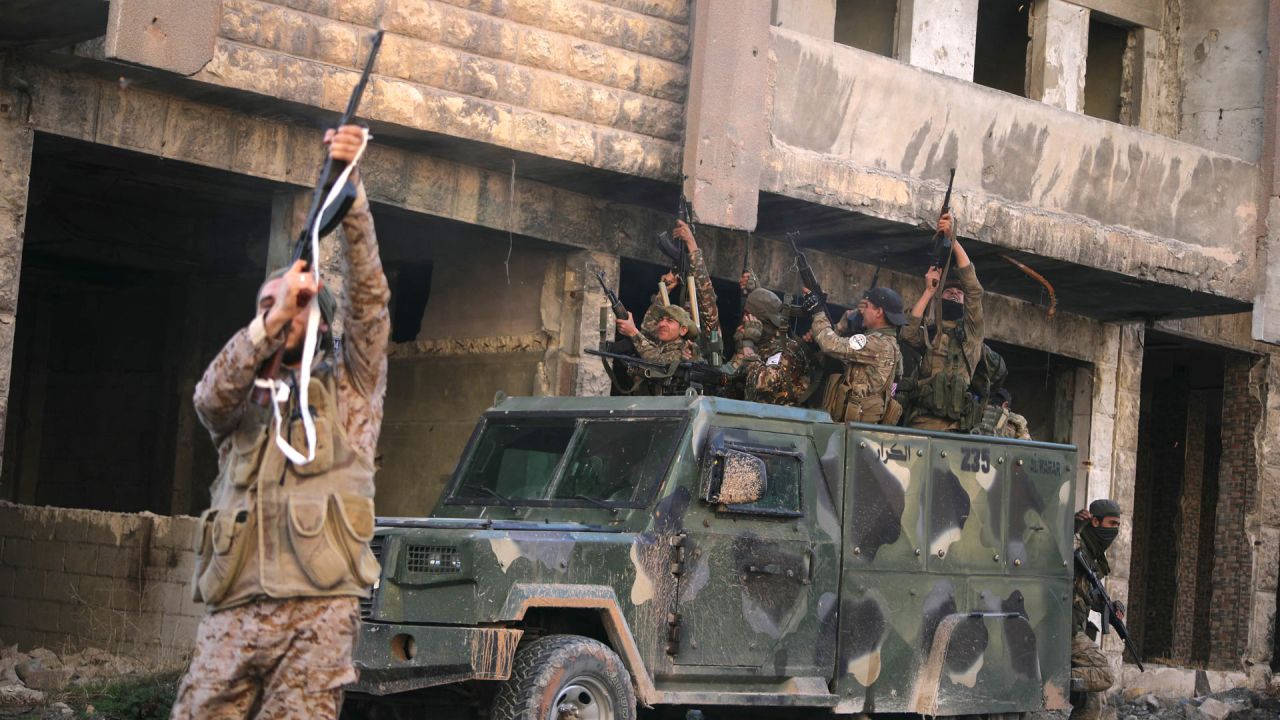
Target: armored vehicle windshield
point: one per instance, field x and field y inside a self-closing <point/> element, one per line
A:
<point x="540" y="461"/>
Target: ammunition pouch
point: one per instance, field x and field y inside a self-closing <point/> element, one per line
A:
<point x="947" y="395"/>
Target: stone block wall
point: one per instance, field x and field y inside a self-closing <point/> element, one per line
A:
<point x="71" y="579"/>
<point x="596" y="82"/>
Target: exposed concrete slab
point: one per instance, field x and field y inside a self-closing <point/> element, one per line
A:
<point x="864" y="132"/>
<point x="727" y="121"/>
<point x="1177" y="682"/>
<point x="1059" y="48"/>
<point x="175" y="36"/>
<point x="938" y="35"/>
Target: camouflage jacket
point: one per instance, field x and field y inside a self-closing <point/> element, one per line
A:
<point x="1015" y="426"/>
<point x="872" y="364"/>
<point x="1084" y="598"/>
<point x="222" y="395"/>
<point x="708" y="311"/>
<point x="777" y="372"/>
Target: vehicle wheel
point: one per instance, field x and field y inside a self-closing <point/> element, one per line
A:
<point x="566" y="677"/>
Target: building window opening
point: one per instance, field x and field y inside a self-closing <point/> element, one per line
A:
<point x="1000" y="54"/>
<point x="869" y="25"/>
<point x="410" y="289"/>
<point x="1104" y="69"/>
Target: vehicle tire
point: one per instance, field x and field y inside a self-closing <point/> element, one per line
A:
<point x="566" y="676"/>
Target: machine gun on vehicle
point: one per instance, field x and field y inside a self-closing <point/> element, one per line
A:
<point x="681" y="376"/>
<point x="1109" y="618"/>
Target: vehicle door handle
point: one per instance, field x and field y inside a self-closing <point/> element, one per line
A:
<point x="770" y="569"/>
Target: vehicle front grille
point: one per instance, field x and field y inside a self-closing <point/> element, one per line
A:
<point x="366" y="604"/>
<point x="433" y="559"/>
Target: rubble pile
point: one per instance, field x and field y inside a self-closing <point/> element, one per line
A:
<point x="29" y="679"/>
<point x="1235" y="704"/>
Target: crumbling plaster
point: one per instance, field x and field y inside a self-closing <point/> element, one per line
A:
<point x="855" y="130"/>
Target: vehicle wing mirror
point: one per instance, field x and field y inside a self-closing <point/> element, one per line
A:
<point x="734" y="477"/>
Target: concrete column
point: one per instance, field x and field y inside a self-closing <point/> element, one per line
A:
<point x="1266" y="304"/>
<point x="1140" y="92"/>
<point x="1059" y="48"/>
<point x="16" y="138"/>
<point x="588" y="376"/>
<point x="811" y="17"/>
<point x="938" y="35"/>
<point x="1113" y="446"/>
<point x="727" y="114"/>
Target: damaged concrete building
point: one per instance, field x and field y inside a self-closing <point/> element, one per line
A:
<point x="154" y="157"/>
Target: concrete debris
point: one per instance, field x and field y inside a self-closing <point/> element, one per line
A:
<point x="17" y="698"/>
<point x="1234" y="704"/>
<point x="26" y="677"/>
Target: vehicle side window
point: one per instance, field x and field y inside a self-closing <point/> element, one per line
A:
<point x="782" y="484"/>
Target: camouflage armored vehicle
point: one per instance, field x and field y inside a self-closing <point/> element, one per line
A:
<point x="592" y="555"/>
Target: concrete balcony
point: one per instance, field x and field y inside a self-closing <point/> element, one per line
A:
<point x="1123" y="222"/>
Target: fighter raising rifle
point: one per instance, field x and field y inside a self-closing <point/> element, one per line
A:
<point x="282" y="554"/>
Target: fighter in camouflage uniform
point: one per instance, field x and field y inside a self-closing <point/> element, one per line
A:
<point x="770" y="363"/>
<point x="673" y="331"/>
<point x="282" y="554"/>
<point x="708" y="312"/>
<point x="1097" y="528"/>
<point x="872" y="361"/>
<point x="942" y="400"/>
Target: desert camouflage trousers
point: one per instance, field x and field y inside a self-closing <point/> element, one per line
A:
<point x="271" y="660"/>
<point x="1090" y="676"/>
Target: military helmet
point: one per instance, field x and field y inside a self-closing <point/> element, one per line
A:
<point x="765" y="305"/>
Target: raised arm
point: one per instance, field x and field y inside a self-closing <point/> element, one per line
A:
<point x="708" y="310"/>
<point x="913" y="333"/>
<point x="223" y="391"/>
<point x="368" y="323"/>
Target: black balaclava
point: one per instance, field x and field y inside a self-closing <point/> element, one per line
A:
<point x="952" y="310"/>
<point x="1100" y="538"/>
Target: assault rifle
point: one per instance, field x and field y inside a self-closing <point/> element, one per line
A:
<point x="327" y="218"/>
<point x="681" y="375"/>
<point x="1109" y="618"/>
<point x="942" y="243"/>
<point x="806" y="272"/>
<point x="676" y="251"/>
<point x="746" y="260"/>
<point x="619" y="310"/>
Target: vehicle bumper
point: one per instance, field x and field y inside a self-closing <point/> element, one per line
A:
<point x="394" y="658"/>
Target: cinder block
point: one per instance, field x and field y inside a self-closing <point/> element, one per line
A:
<point x="48" y="555"/>
<point x="29" y="583"/>
<point x="17" y="552"/>
<point x="11" y="522"/>
<point x="118" y="562"/>
<point x="13" y="614"/>
<point x="80" y="559"/>
<point x="7" y="577"/>
<point x="44" y="615"/>
<point x="60" y="587"/>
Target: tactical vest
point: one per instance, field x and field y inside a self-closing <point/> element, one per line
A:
<point x="863" y="393"/>
<point x="994" y="419"/>
<point x="279" y="530"/>
<point x="945" y="392"/>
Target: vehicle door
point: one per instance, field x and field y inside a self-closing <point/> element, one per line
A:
<point x="757" y="588"/>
